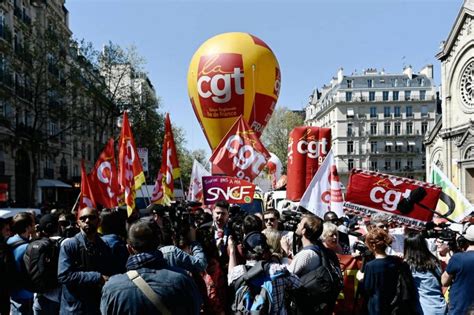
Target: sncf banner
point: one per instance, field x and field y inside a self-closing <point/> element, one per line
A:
<point x="371" y="191"/>
<point x="231" y="189"/>
<point x="307" y="148"/>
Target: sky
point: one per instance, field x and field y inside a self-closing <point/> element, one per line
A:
<point x="311" y="39"/>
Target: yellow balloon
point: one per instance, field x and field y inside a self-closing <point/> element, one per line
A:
<point x="233" y="74"/>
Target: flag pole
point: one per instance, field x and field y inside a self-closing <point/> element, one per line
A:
<point x="182" y="189"/>
<point x="147" y="193"/>
<point x="75" y="204"/>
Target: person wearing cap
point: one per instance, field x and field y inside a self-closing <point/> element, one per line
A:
<point x="257" y="250"/>
<point x="459" y="275"/>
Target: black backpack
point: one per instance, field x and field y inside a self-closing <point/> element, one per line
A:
<point x="41" y="264"/>
<point x="319" y="288"/>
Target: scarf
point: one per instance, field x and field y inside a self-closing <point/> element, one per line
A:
<point x="152" y="260"/>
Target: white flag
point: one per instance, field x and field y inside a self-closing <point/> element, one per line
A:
<point x="195" y="192"/>
<point x="324" y="192"/>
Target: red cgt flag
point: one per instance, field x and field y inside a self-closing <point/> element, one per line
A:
<point x="87" y="198"/>
<point x="240" y="153"/>
<point x="104" y="179"/>
<point x="169" y="170"/>
<point x="131" y="175"/>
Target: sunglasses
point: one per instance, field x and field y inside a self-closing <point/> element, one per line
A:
<point x="269" y="219"/>
<point x="90" y="217"/>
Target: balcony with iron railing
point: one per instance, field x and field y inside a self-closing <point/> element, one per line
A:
<point x="5" y="33"/>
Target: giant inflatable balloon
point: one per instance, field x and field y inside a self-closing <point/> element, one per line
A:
<point x="233" y="74"/>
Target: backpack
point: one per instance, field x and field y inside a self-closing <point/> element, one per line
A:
<point x="41" y="264"/>
<point x="406" y="298"/>
<point x="253" y="291"/>
<point x="319" y="288"/>
<point x="16" y="280"/>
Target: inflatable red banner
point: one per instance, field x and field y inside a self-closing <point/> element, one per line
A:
<point x="371" y="191"/>
<point x="231" y="189"/>
<point x="307" y="148"/>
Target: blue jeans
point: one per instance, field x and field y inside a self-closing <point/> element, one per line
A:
<point x="44" y="306"/>
<point x="21" y="307"/>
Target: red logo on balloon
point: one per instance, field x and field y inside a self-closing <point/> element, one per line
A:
<point x="220" y="84"/>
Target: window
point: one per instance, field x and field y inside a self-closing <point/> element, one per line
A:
<point x="349" y="130"/>
<point x="407" y="95"/>
<point x="397" y="128"/>
<point x="398" y="146"/>
<point x="395" y="95"/>
<point x="350" y="113"/>
<point x="75" y="171"/>
<point x="89" y="152"/>
<point x="350" y="147"/>
<point x="409" y="127"/>
<point x="424" y="111"/>
<point x="388" y="164"/>
<point x="349" y="84"/>
<point x="397" y="112"/>
<point x="371" y="96"/>
<point x="424" y="127"/>
<point x="395" y="82"/>
<point x="370" y="83"/>
<point x="373" y="146"/>
<point x="385" y="95"/>
<point x="411" y="146"/>
<point x="422" y="95"/>
<point x="409" y="111"/>
<point x="386" y="111"/>
<point x="373" y="166"/>
<point x="386" y="128"/>
<point x="348" y="96"/>
<point x="350" y="164"/>
<point x="373" y="128"/>
<point x="398" y="164"/>
<point x="388" y="146"/>
<point x="410" y="164"/>
<point x="373" y="112"/>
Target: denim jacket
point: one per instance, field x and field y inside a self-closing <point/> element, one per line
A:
<point x="196" y="262"/>
<point x="120" y="296"/>
<point x="80" y="272"/>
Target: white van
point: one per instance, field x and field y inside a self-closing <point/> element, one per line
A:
<point x="143" y="195"/>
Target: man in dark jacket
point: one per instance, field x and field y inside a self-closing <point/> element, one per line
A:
<point x="176" y="290"/>
<point x="84" y="266"/>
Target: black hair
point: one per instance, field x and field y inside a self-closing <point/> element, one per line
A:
<point x="251" y="223"/>
<point x="417" y="255"/>
<point x="222" y="204"/>
<point x="144" y="236"/>
<point x="112" y="222"/>
<point x="21" y="221"/>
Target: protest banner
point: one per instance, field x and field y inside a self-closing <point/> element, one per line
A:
<point x="231" y="189"/>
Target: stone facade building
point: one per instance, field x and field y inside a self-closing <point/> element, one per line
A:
<point x="450" y="145"/>
<point x="378" y="120"/>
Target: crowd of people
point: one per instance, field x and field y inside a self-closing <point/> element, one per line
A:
<point x="190" y="260"/>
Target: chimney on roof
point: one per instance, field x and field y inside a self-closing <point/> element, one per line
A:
<point x="428" y="71"/>
<point x="408" y="71"/>
<point x="340" y="75"/>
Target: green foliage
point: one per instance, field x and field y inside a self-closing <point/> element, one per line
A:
<point x="275" y="136"/>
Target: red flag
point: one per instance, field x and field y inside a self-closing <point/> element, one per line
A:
<point x="169" y="170"/>
<point x="240" y="153"/>
<point x="104" y="178"/>
<point x="86" y="199"/>
<point x="131" y="175"/>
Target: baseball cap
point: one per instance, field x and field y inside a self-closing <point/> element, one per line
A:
<point x="48" y="224"/>
<point x="469" y="234"/>
<point x="254" y="240"/>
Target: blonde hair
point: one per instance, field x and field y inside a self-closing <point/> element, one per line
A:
<point x="273" y="240"/>
<point x="329" y="228"/>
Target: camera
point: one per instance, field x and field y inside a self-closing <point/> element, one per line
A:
<point x="441" y="231"/>
<point x="290" y="220"/>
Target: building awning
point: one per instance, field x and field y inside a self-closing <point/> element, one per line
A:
<point x="411" y="143"/>
<point x="350" y="112"/>
<point x="389" y="143"/>
<point x="399" y="143"/>
<point x="52" y="183"/>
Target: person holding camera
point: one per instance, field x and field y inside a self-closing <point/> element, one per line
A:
<point x="459" y="275"/>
